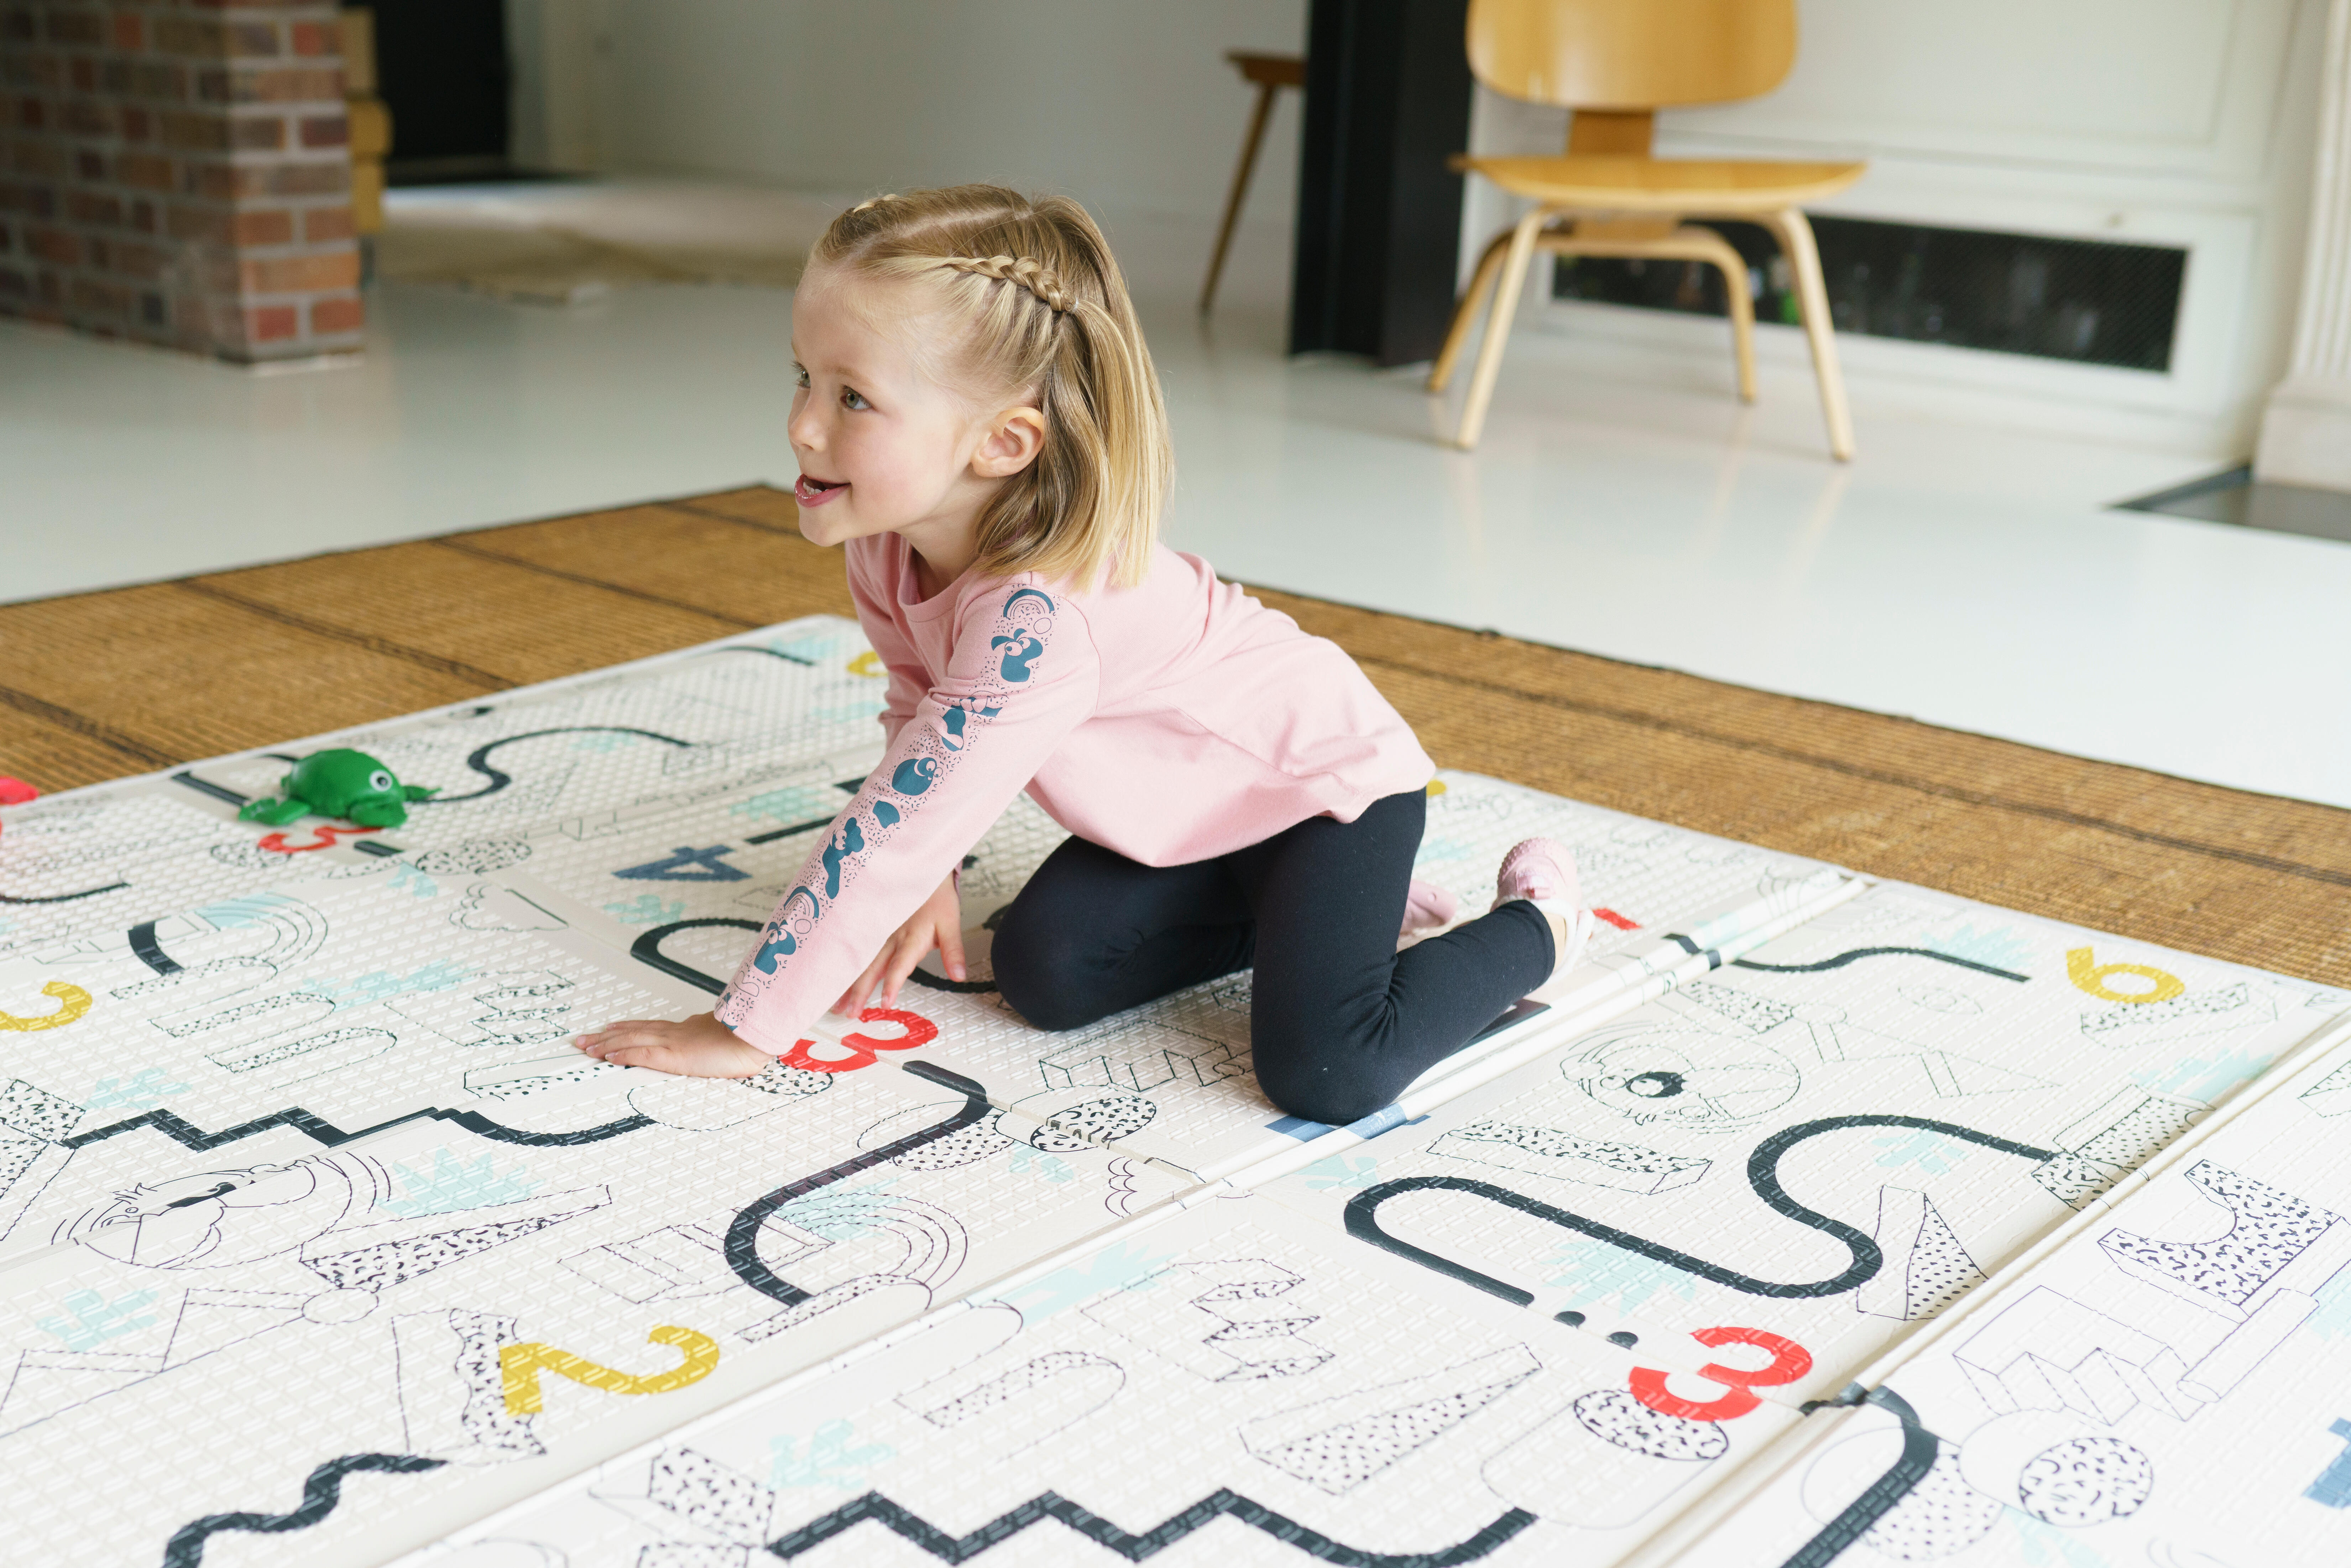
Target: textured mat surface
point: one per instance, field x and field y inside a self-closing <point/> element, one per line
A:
<point x="98" y="685"/>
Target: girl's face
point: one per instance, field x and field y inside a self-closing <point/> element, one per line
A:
<point x="883" y="447"/>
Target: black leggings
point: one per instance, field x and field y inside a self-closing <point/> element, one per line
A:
<point x="1340" y="1021"/>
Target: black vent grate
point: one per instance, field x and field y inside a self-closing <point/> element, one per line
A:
<point x="2088" y="301"/>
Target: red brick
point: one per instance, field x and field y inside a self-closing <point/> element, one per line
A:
<point x="252" y="41"/>
<point x="94" y="211"/>
<point x="138" y="125"/>
<point x="143" y="216"/>
<point x="258" y="132"/>
<point x="161" y="80"/>
<point x="315" y="38"/>
<point x="345" y="313"/>
<point x="14" y="282"/>
<point x="152" y="309"/>
<point x="89" y="294"/>
<point x="55" y="246"/>
<point x="300" y="273"/>
<point x="323" y="224"/>
<point x="38" y="158"/>
<point x="130" y="31"/>
<point x="272" y="323"/>
<point x="90" y="164"/>
<point x="197" y="223"/>
<point x="141" y="261"/>
<point x="31" y="114"/>
<point x="213" y="182"/>
<point x="326" y="131"/>
<point x="16" y="25"/>
<point x="195" y="132"/>
<point x="85" y="118"/>
<point x="319" y="177"/>
<point x="75" y="28"/>
<point x="144" y="170"/>
<point x="7" y="238"/>
<point x="187" y="35"/>
<point x="82" y="71"/>
<point x="285" y="84"/>
<point x="264" y="228"/>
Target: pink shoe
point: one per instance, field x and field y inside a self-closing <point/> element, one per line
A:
<point x="1542" y="870"/>
<point x="1427" y="907"/>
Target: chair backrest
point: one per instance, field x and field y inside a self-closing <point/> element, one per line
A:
<point x="1631" y="54"/>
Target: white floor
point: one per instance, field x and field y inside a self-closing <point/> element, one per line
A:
<point x="1621" y="503"/>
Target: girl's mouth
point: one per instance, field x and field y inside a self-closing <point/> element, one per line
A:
<point x="812" y="492"/>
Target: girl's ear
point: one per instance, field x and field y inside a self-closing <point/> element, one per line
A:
<point x="1013" y="440"/>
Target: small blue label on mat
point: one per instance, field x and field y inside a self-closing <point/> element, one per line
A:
<point x="1298" y="1127"/>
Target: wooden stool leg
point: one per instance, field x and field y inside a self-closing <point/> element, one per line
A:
<point x="1440" y="374"/>
<point x="1740" y="303"/>
<point x="1247" y="166"/>
<point x="1795" y="237"/>
<point x="1498" y="327"/>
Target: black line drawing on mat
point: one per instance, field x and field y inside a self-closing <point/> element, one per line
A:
<point x="1251" y="1332"/>
<point x="999" y="1407"/>
<point x="1562" y="1155"/>
<point x="1939" y="1516"/>
<point x="1856" y="954"/>
<point x="1336" y="1445"/>
<point x="63" y="897"/>
<point x="1604" y="1460"/>
<point x="742" y="1245"/>
<point x="479" y="759"/>
<point x="322" y="1493"/>
<point x="452" y="1387"/>
<point x="1921" y="1449"/>
<point x="1762" y="1175"/>
<point x="1137" y="1056"/>
<point x="190" y="1136"/>
<point x="1692" y="1079"/>
<point x="1134" y="1548"/>
<point x="647" y="949"/>
<point x="1926" y="1268"/>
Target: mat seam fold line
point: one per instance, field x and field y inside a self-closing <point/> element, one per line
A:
<point x="738" y="623"/>
<point x="1945" y="791"/>
<point x="88" y="728"/>
<point x="374" y="645"/>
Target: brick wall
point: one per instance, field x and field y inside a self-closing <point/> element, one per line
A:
<point x="178" y="172"/>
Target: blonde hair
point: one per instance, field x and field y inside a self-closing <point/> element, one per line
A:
<point x="1046" y="310"/>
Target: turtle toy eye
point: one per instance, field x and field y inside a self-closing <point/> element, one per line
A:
<point x="379" y="780"/>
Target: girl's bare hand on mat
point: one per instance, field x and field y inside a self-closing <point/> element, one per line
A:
<point x="698" y="1047"/>
<point x="937" y="924"/>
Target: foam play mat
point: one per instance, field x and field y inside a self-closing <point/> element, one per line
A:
<point x="1810" y="1218"/>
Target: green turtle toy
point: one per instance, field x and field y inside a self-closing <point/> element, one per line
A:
<point x="339" y="783"/>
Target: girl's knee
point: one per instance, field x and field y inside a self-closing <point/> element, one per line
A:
<point x="1331" y="1090"/>
<point x="1040" y="975"/>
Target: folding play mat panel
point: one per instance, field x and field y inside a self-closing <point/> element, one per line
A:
<point x="1810" y="1218"/>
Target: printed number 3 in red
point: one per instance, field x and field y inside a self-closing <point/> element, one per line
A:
<point x="920" y="1030"/>
<point x="1790" y="1360"/>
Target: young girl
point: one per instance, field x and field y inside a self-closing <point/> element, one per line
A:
<point x="979" y="424"/>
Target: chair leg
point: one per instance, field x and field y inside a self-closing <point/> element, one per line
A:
<point x="1440" y="374"/>
<point x="1795" y="237"/>
<point x="1241" y="173"/>
<point x="1498" y="327"/>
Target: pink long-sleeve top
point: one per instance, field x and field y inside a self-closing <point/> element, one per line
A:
<point x="1172" y="722"/>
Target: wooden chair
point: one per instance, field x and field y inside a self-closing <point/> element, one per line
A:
<point x="1615" y="63"/>
<point x="1271" y="73"/>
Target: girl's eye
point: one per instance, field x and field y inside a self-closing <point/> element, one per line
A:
<point x="853" y="400"/>
<point x="800" y="378"/>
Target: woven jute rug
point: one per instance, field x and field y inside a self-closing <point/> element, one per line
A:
<point x="98" y="685"/>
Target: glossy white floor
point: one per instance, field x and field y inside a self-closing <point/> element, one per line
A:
<point x="1622" y="503"/>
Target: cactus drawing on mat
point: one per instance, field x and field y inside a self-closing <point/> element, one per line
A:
<point x="337" y="783"/>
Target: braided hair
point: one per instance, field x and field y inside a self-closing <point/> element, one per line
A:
<point x="1045" y="314"/>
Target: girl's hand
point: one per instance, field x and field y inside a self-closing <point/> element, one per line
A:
<point x="698" y="1047"/>
<point x="937" y="924"/>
